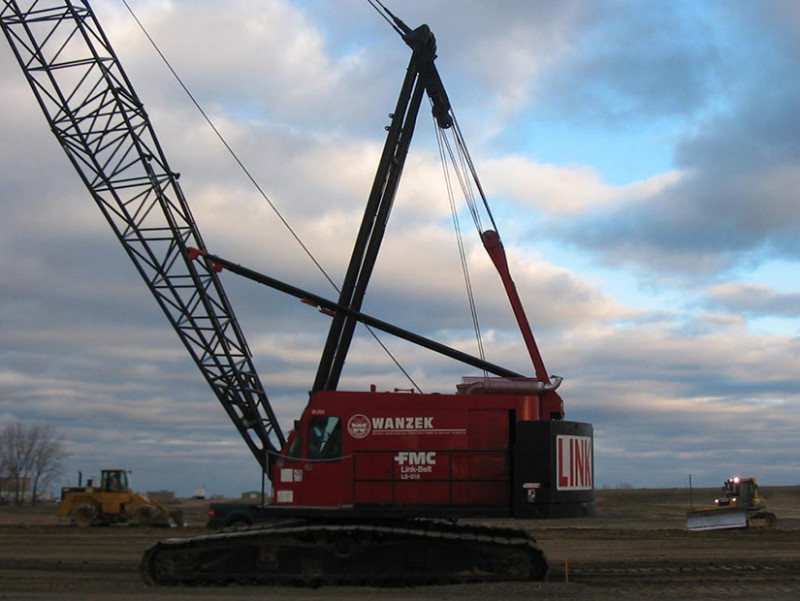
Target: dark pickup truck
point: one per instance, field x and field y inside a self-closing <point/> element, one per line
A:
<point x="225" y="515"/>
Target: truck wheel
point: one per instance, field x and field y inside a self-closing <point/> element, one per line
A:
<point x="143" y="515"/>
<point x="84" y="516"/>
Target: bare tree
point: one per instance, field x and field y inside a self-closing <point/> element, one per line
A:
<point x="30" y="458"/>
<point x="14" y="457"/>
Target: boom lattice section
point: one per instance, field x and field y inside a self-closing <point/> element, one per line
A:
<point x="102" y="126"/>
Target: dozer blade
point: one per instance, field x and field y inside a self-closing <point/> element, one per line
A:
<point x="716" y="519"/>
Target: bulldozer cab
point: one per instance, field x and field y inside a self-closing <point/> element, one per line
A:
<point x="114" y="481"/>
<point x="741" y="492"/>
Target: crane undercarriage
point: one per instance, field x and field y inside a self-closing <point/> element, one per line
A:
<point x="383" y="553"/>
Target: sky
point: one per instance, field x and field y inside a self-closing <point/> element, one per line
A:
<point x="641" y="162"/>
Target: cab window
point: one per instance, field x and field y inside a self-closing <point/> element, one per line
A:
<point x="296" y="448"/>
<point x="324" y="437"/>
<point x="115" y="481"/>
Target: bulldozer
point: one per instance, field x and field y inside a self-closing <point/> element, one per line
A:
<point x="741" y="507"/>
<point x="113" y="502"/>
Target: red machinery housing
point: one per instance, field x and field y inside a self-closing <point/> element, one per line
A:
<point x="437" y="455"/>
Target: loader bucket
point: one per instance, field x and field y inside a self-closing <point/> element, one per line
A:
<point x="716" y="519"/>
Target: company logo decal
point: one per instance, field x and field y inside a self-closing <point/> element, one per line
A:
<point x="361" y="426"/>
<point x="402" y="423"/>
<point x="574" y="463"/>
<point x="414" y="464"/>
<point x="358" y="426"/>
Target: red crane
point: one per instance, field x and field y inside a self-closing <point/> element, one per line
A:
<point x="369" y="484"/>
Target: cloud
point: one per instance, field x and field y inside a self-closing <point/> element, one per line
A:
<point x="268" y="52"/>
<point x="567" y="190"/>
<point x="629" y="64"/>
<point x="754" y="299"/>
<point x="735" y="201"/>
<point x="670" y="375"/>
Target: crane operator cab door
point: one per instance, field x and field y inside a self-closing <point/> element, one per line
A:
<point x="312" y="470"/>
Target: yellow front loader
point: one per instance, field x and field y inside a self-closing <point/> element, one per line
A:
<point x="113" y="502"/>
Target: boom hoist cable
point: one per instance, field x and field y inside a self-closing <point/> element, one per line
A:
<point x="106" y="133"/>
<point x="460" y="159"/>
<point x="467" y="176"/>
<point x="460" y="241"/>
<point x="441" y="125"/>
<point x="464" y="167"/>
<point x="248" y="174"/>
<point x="472" y="188"/>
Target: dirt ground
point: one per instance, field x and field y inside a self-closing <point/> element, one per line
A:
<point x="635" y="549"/>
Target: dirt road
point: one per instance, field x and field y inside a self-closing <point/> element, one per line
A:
<point x="619" y="555"/>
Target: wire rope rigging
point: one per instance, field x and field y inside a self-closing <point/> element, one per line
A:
<point x="456" y="152"/>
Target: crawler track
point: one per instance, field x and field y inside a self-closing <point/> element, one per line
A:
<point x="302" y="554"/>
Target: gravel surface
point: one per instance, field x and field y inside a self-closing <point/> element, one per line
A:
<point x="636" y="549"/>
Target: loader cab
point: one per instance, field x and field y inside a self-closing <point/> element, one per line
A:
<point x="114" y="480"/>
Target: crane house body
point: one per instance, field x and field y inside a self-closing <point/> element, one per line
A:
<point x="452" y="454"/>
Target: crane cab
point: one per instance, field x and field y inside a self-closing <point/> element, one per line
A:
<point x="436" y="455"/>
